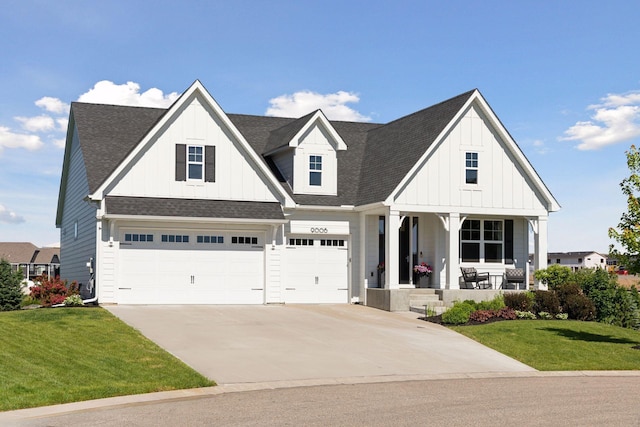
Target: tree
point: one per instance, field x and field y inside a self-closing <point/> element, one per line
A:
<point x="627" y="234"/>
<point x="10" y="292"/>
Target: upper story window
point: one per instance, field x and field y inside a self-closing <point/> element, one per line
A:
<point x="195" y="162"/>
<point x="471" y="168"/>
<point x="315" y="170"/>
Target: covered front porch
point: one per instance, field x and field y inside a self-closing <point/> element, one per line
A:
<point x="395" y="241"/>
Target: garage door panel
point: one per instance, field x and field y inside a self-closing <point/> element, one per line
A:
<point x="191" y="273"/>
<point x="315" y="273"/>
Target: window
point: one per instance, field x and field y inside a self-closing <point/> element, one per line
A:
<point x="135" y="237"/>
<point x="210" y="239"/>
<point x="174" y="238"/>
<point x="195" y="162"/>
<point x="329" y="242"/>
<point x="300" y="242"/>
<point x="75" y="230"/>
<point x="315" y="170"/>
<point x="242" y="240"/>
<point x="482" y="240"/>
<point x="471" y="168"/>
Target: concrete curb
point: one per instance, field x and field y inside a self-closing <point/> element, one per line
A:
<point x="195" y="393"/>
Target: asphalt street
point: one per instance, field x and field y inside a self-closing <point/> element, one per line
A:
<point x="528" y="401"/>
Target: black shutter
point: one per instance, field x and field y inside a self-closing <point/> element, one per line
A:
<point x="181" y="162"/>
<point x="210" y="163"/>
<point x="508" y="241"/>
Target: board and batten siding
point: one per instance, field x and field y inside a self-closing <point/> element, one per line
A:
<point x="316" y="141"/>
<point x="502" y="182"/>
<point x="75" y="252"/>
<point x="236" y="175"/>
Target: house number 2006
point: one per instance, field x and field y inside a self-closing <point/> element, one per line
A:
<point x="318" y="230"/>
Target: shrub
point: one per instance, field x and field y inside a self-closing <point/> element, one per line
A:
<point x="10" y="287"/>
<point x="73" y="301"/>
<point x="52" y="291"/>
<point x="495" y="304"/>
<point x="506" y="313"/>
<point x="562" y="316"/>
<point x="482" y="315"/>
<point x="579" y="307"/>
<point x="554" y="275"/>
<point x="520" y="301"/>
<point x="458" y="314"/>
<point x="525" y="315"/>
<point x="546" y="301"/>
<point x="545" y="315"/>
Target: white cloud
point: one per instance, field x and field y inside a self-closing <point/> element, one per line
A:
<point x="63" y="122"/>
<point x="9" y="139"/>
<point x="616" y="119"/>
<point x="333" y="105"/>
<point x="9" y="217"/>
<point x="42" y="123"/>
<point x="540" y="147"/>
<point x="53" y="105"/>
<point x="60" y="143"/>
<point x="107" y="92"/>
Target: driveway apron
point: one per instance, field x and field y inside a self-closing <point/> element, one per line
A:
<point x="251" y="344"/>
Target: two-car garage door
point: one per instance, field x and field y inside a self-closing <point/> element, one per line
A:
<point x="179" y="267"/>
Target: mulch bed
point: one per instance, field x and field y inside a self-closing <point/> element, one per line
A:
<point x="438" y="319"/>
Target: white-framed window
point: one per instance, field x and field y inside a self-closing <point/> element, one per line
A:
<point x="471" y="168"/>
<point x="244" y="240"/>
<point x="315" y="170"/>
<point x="195" y="162"/>
<point x="482" y="240"/>
<point x="210" y="239"/>
<point x="300" y="242"/>
<point x="75" y="230"/>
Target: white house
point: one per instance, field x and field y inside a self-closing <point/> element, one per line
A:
<point x="578" y="260"/>
<point x="191" y="205"/>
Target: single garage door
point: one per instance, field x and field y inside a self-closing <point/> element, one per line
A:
<point x="316" y="270"/>
<point x="178" y="267"/>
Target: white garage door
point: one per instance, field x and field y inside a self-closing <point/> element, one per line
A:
<point x="316" y="271"/>
<point x="191" y="268"/>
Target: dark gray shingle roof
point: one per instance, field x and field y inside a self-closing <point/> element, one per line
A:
<point x="377" y="158"/>
<point x="108" y="133"/>
<point x="193" y="208"/>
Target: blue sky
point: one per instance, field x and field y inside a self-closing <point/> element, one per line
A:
<point x="563" y="76"/>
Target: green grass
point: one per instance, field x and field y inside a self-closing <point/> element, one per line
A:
<point x="51" y="356"/>
<point x="560" y="345"/>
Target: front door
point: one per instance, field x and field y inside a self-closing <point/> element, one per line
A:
<point x="404" y="244"/>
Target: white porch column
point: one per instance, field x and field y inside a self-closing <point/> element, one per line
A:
<point x="540" y="248"/>
<point x="452" y="249"/>
<point x="362" y="275"/>
<point x="391" y="262"/>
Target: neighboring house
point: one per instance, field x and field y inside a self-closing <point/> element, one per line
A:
<point x="32" y="260"/>
<point x="191" y="205"/>
<point x="578" y="260"/>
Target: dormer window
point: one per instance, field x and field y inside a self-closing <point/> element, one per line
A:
<point x="315" y="170"/>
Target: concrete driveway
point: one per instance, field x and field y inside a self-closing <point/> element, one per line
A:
<point x="255" y="344"/>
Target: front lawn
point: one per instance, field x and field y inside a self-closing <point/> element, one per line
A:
<point x="51" y="356"/>
<point x="560" y="345"/>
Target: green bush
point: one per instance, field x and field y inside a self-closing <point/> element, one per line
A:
<point x="525" y="315"/>
<point x="495" y="304"/>
<point x="579" y="307"/>
<point x="553" y="275"/>
<point x="458" y="314"/>
<point x="547" y="302"/>
<point x="519" y="301"/>
<point x="10" y="287"/>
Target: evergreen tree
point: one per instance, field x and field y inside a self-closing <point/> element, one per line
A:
<point x="10" y="283"/>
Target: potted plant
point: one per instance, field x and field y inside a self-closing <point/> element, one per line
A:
<point x="422" y="272"/>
